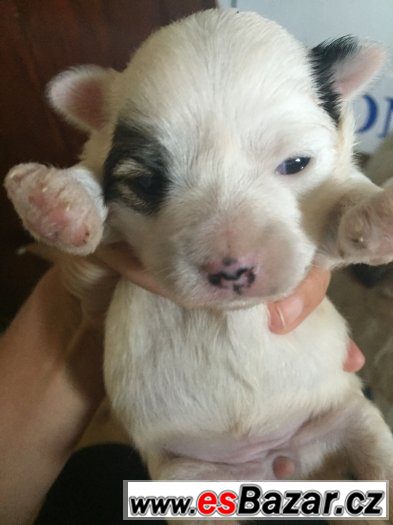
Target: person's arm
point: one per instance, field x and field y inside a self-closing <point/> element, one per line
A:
<point x="51" y="384"/>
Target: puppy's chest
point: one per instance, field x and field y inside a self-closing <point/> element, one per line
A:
<point x="198" y="371"/>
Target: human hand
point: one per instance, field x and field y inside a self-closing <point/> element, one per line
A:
<point x="288" y="313"/>
<point x="285" y="315"/>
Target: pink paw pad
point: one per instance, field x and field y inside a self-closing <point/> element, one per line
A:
<point x="58" y="207"/>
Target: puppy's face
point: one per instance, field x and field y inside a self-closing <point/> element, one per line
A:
<point x="219" y="135"/>
<point x="219" y="129"/>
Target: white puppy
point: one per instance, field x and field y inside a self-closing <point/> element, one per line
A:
<point x="224" y="151"/>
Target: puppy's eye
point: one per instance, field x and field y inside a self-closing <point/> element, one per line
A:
<point x="148" y="186"/>
<point x="293" y="165"/>
<point x="143" y="182"/>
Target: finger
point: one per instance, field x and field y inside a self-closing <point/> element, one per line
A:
<point x="122" y="260"/>
<point x="355" y="359"/>
<point x="283" y="467"/>
<point x="287" y="314"/>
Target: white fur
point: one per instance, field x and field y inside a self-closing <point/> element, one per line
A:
<point x="352" y="78"/>
<point x="82" y="106"/>
<point x="84" y="177"/>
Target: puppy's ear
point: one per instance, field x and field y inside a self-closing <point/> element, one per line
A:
<point x="81" y="96"/>
<point x="343" y="68"/>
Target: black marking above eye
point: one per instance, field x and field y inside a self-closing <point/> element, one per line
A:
<point x="135" y="171"/>
<point x="293" y="165"/>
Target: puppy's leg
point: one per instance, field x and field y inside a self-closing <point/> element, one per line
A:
<point x="62" y="208"/>
<point x="351" y="220"/>
<point x="368" y="442"/>
<point x="369" y="446"/>
<point x="360" y="431"/>
<point x="365" y="233"/>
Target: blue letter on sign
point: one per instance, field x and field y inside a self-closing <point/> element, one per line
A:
<point x="388" y="120"/>
<point x="372" y="114"/>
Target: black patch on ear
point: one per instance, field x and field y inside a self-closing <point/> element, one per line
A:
<point x="323" y="59"/>
<point x="145" y="187"/>
<point x="370" y="276"/>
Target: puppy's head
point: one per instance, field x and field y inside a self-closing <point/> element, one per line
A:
<point x="208" y="141"/>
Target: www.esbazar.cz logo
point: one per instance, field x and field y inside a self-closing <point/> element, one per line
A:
<point x="199" y="500"/>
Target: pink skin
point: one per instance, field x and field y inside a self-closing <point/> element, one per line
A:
<point x="234" y="281"/>
<point x="55" y="207"/>
<point x="236" y="275"/>
<point x="57" y="220"/>
<point x="266" y="454"/>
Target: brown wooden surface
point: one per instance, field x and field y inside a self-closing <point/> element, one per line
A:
<point x="39" y="38"/>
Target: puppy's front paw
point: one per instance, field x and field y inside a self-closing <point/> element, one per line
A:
<point x="58" y="207"/>
<point x="365" y="232"/>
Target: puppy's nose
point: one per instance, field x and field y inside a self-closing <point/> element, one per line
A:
<point x="237" y="274"/>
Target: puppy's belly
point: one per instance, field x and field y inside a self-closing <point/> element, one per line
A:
<point x="198" y="374"/>
<point x="226" y="448"/>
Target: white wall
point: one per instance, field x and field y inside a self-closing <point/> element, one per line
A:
<point x="313" y="21"/>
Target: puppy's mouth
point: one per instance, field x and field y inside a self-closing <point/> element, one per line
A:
<point x="238" y="281"/>
<point x="231" y="282"/>
<point x="221" y="293"/>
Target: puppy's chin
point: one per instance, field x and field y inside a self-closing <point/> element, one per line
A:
<point x="189" y="285"/>
<point x="202" y="296"/>
<point x="223" y="305"/>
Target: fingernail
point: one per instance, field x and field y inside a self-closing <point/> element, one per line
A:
<point x="285" y="313"/>
<point x="355" y="359"/>
<point x="283" y="467"/>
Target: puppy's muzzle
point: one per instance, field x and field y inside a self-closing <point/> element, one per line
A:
<point x="231" y="274"/>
